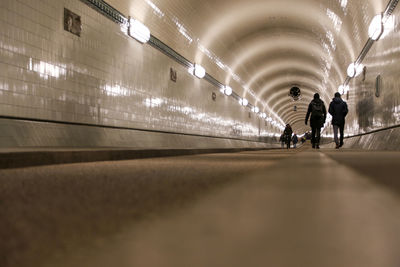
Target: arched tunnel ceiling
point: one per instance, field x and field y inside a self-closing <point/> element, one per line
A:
<point x="269" y="44"/>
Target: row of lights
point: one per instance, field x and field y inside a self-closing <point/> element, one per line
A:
<point x="375" y="31"/>
<point x="142" y="34"/>
<point x="198" y="71"/>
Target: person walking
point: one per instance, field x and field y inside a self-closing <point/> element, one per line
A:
<point x="288" y="135"/>
<point x="282" y="140"/>
<point x="318" y="116"/>
<point x="295" y="139"/>
<point x="338" y="109"/>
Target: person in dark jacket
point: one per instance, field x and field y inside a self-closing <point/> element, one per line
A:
<point x="282" y="140"/>
<point x="338" y="110"/>
<point x="288" y="134"/>
<point x="318" y="116"/>
<point x="295" y="139"/>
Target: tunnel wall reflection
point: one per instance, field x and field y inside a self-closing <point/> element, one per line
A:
<point x="372" y="109"/>
<point x="105" y="78"/>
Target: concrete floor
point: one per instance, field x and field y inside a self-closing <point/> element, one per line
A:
<point x="279" y="208"/>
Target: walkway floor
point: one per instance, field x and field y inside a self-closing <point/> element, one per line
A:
<point x="297" y="208"/>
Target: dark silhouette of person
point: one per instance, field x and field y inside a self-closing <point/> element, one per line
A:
<point x="338" y="109"/>
<point x="318" y="116"/>
<point x="295" y="140"/>
<point x="282" y="140"/>
<point x="288" y="135"/>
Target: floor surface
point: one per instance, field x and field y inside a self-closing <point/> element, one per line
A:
<point x="303" y="207"/>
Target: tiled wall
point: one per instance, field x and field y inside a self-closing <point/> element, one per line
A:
<point x="368" y="112"/>
<point x="104" y="77"/>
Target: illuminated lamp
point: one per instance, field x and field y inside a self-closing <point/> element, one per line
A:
<point x="244" y="102"/>
<point x="346" y="89"/>
<point x="139" y="31"/>
<point x="228" y="90"/>
<point x="354" y="70"/>
<point x="199" y="71"/>
<point x="375" y="29"/>
<point x="255" y="109"/>
<point x="341" y="89"/>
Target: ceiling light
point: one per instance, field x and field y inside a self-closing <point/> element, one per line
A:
<point x="244" y="102"/>
<point x="346" y="89"/>
<point x="341" y="89"/>
<point x="354" y="70"/>
<point x="351" y="70"/>
<point x="139" y="31"/>
<point x="255" y="109"/>
<point x="228" y="90"/>
<point x="375" y="29"/>
<point x="199" y="71"/>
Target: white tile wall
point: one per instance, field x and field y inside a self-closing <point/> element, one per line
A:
<point x="103" y="77"/>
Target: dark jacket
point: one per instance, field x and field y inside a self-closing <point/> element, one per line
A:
<point x="315" y="120"/>
<point x="288" y="133"/>
<point x="338" y="110"/>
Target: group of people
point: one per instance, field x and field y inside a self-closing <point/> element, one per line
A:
<point x="316" y="114"/>
<point x="287" y="137"/>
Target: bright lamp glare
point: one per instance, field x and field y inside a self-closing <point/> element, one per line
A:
<point x="346" y="89"/>
<point x="375" y="29"/>
<point x="199" y="71"/>
<point x="228" y="90"/>
<point x="244" y="102"/>
<point x="351" y="70"/>
<point x="256" y="109"/>
<point x="139" y="31"/>
<point x="341" y="89"/>
<point x="388" y="26"/>
<point x="263" y="115"/>
<point x="354" y="70"/>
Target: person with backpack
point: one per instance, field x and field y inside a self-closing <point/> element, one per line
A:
<point x="288" y="135"/>
<point x="318" y="116"/>
<point x="338" y="110"/>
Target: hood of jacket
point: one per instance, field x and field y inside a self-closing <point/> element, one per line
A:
<point x="337" y="100"/>
<point x="319" y="101"/>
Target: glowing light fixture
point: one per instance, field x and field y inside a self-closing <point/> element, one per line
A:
<point x="243" y="102"/>
<point x="263" y="115"/>
<point x="375" y="29"/>
<point x="346" y="89"/>
<point x="228" y="90"/>
<point x="354" y="70"/>
<point x="255" y="109"/>
<point x="199" y="71"/>
<point x="343" y="89"/>
<point x="139" y="31"/>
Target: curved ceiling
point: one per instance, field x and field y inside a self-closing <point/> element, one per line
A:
<point x="269" y="45"/>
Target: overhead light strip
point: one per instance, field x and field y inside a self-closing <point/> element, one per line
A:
<point x="116" y="16"/>
<point x="385" y="15"/>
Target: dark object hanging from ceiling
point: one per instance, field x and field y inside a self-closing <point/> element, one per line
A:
<point x="295" y="93"/>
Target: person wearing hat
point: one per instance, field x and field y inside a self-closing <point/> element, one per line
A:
<point x="317" y="110"/>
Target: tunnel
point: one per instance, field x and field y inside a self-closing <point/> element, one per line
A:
<point x="154" y="133"/>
